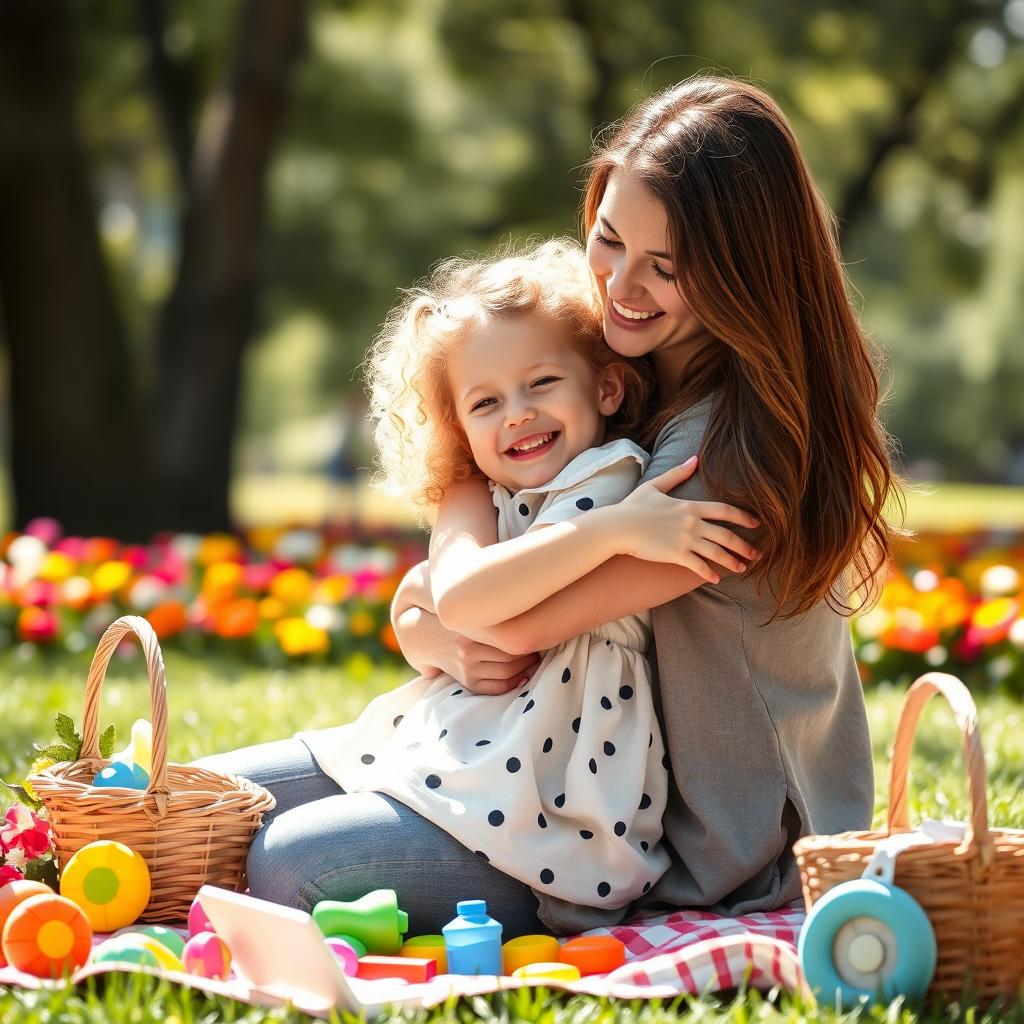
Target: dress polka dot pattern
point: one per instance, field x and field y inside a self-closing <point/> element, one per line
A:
<point x="558" y="783"/>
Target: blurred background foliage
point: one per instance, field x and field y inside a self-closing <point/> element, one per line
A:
<point x="409" y="130"/>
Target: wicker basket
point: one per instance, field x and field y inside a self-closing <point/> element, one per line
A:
<point x="192" y="826"/>
<point x="972" y="890"/>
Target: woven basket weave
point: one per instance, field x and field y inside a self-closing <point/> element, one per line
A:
<point x="192" y="826"/>
<point x="972" y="890"/>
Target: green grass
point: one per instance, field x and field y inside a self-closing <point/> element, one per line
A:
<point x="215" y="705"/>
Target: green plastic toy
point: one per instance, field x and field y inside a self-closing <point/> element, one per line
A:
<point x="374" y="920"/>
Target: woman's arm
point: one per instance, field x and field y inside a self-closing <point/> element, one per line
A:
<point x="478" y="585"/>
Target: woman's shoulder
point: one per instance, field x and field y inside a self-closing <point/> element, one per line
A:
<point x="687" y="427"/>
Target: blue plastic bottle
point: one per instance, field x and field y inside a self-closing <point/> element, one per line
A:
<point x="473" y="940"/>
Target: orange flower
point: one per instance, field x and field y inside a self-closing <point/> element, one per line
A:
<point x="99" y="549"/>
<point x="236" y="618"/>
<point x="167" y="618"/>
<point x="388" y="638"/>
<point x="908" y="632"/>
<point x="218" y="547"/>
<point x="37" y="625"/>
<point x="270" y="608"/>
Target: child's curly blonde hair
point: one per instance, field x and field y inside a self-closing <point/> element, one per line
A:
<point x="422" y="449"/>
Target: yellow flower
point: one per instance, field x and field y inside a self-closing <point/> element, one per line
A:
<point x="57" y="567"/>
<point x="218" y="547"/>
<point x="292" y="586"/>
<point x="361" y="623"/>
<point x="263" y="538"/>
<point x="333" y="589"/>
<point x="296" y="637"/>
<point x="111" y="576"/>
<point x="221" y="580"/>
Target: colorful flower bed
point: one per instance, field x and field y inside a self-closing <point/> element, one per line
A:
<point x="272" y="595"/>
<point x="952" y="602"/>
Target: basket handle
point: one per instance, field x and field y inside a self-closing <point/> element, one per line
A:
<point x="129" y="625"/>
<point x="977" y="837"/>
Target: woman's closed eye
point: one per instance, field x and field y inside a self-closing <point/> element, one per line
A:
<point x="664" y="275"/>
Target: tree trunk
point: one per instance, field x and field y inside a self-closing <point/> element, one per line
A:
<point x="75" y="438"/>
<point x="210" y="315"/>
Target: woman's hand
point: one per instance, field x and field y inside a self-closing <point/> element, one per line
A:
<point x="661" y="528"/>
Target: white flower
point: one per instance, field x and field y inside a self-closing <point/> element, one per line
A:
<point x="16" y="858"/>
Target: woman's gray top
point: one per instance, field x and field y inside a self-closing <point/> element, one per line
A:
<point x="765" y="729"/>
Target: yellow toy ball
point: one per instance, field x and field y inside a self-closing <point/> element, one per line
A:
<point x="109" y="881"/>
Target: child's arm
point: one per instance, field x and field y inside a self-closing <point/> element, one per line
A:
<point x="477" y="586"/>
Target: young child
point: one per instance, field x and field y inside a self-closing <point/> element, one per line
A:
<point x="498" y="369"/>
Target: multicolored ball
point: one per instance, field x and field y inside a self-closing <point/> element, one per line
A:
<point x="207" y="955"/>
<point x="109" y="881"/>
<point x="48" y="936"/>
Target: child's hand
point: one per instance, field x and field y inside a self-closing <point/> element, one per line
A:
<point x="665" y="529"/>
<point x="486" y="670"/>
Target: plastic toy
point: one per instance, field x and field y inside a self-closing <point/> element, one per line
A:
<point x="121" y="775"/>
<point x="346" y="954"/>
<point x="167" y="937"/>
<point x="869" y="938"/>
<point x="140" y="746"/>
<point x="197" y="920"/>
<point x="207" y="955"/>
<point x="109" y="881"/>
<point x="528" y="949"/>
<point x="47" y="935"/>
<point x="11" y="895"/>
<point x="473" y="940"/>
<point x="412" y="969"/>
<point x="359" y="947"/>
<point x="551" y="971"/>
<point x="136" y="948"/>
<point x="375" y="920"/>
<point x="431" y="946"/>
<point x="593" y="954"/>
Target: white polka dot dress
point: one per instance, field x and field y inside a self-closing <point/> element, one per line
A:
<point x="561" y="782"/>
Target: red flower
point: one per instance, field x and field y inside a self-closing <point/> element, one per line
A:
<point x="9" y="874"/>
<point x="25" y="831"/>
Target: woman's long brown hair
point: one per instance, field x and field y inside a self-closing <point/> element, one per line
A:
<point x="794" y="434"/>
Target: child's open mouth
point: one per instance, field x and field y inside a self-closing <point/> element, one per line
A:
<point x="532" y="446"/>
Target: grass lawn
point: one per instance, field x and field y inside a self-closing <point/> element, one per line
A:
<point x="218" y="705"/>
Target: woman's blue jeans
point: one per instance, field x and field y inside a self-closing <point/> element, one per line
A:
<point x="321" y="843"/>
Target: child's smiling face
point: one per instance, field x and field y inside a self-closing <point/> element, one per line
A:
<point x="527" y="399"/>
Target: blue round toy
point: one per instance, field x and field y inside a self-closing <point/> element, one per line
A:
<point x="125" y="776"/>
<point x="867" y="938"/>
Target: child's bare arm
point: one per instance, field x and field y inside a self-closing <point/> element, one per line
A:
<point x="476" y="586"/>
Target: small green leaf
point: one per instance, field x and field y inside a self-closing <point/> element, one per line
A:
<point x="22" y="795"/>
<point x="107" y="741"/>
<point x="57" y="752"/>
<point x="65" y="726"/>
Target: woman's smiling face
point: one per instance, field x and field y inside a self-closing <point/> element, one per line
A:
<point x="630" y="256"/>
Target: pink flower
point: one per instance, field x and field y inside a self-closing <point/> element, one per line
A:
<point x="9" y="874"/>
<point x="25" y="831"/>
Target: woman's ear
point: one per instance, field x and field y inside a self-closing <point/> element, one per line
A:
<point x="611" y="389"/>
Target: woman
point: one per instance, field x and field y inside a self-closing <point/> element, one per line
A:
<point x="714" y="255"/>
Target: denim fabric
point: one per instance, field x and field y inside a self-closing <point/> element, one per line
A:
<point x="320" y="843"/>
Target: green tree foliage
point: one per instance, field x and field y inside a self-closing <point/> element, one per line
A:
<point x="422" y="128"/>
